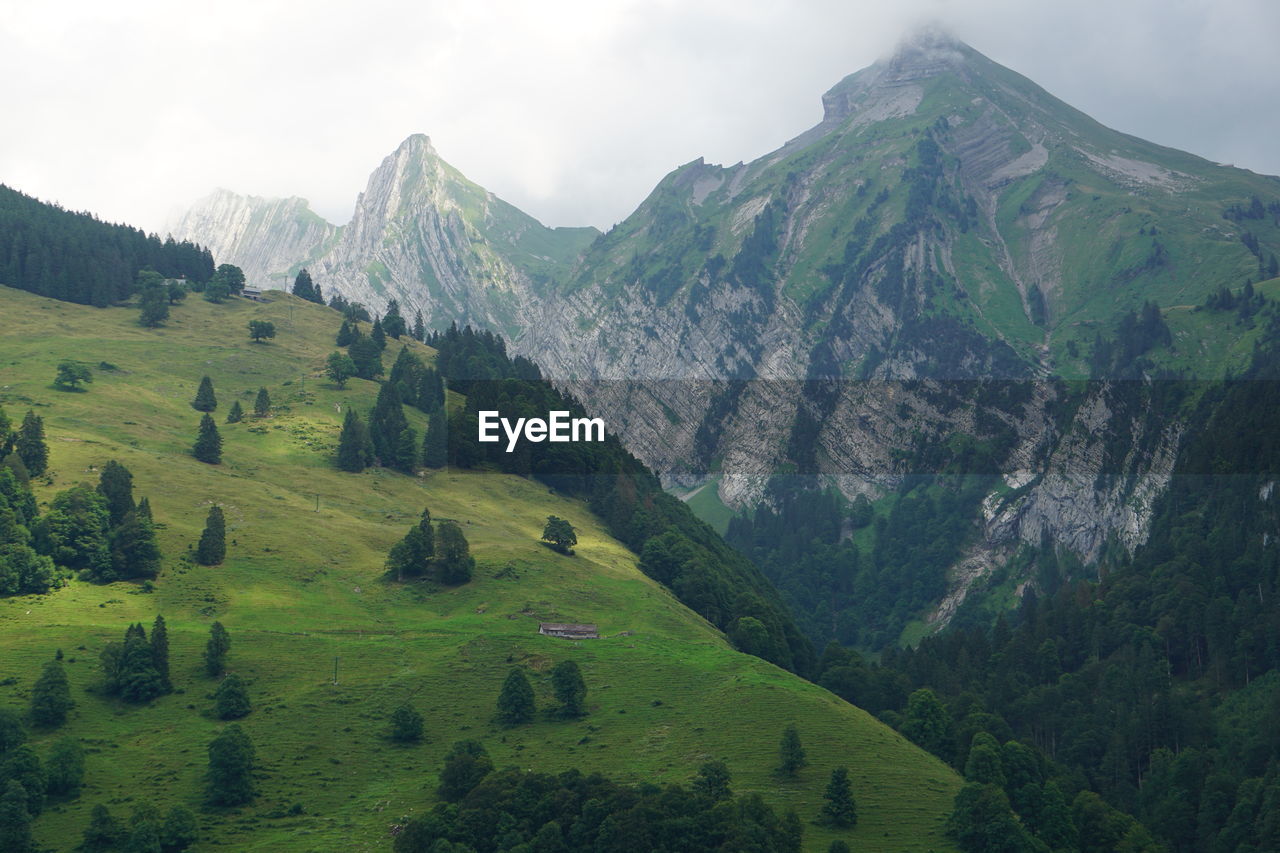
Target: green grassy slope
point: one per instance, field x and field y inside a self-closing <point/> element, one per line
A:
<point x="303" y="585"/>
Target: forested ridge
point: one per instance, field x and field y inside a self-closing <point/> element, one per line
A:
<point x="77" y="257"/>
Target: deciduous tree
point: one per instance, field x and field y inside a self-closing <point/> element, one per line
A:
<point x="229" y="780"/>
<point x="515" y="702"/>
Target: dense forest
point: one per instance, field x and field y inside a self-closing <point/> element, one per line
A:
<point x="1135" y="710"/>
<point x="77" y="257"/>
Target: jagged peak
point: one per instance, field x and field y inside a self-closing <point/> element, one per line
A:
<point x="417" y="143"/>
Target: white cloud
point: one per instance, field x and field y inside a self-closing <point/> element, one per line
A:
<point x="571" y="110"/>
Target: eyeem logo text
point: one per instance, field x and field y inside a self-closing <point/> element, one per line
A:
<point x="557" y="427"/>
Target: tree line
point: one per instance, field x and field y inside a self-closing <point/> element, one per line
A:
<point x="76" y="257"/>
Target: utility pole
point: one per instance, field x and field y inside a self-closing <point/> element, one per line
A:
<point x="335" y="669"/>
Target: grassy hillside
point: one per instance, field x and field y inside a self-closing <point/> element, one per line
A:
<point x="302" y="585"/>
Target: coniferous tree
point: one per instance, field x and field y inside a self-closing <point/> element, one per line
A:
<point x="406" y="451"/>
<point x="30" y="445"/>
<point x="115" y="483"/>
<point x="205" y="401"/>
<point x="386" y="422"/>
<point x="262" y="404"/>
<point x="303" y="286"/>
<point x="212" y="549"/>
<point x="392" y="322"/>
<point x="367" y="357"/>
<point x="420" y="328"/>
<point x="160" y="652"/>
<point x="231" y="699"/>
<point x="406" y="724"/>
<point x="215" y="651"/>
<point x="153" y="299"/>
<point x="429" y="396"/>
<point x="144" y="509"/>
<point x="208" y="446"/>
<point x="229" y="781"/>
<point x="405" y="372"/>
<point x="15" y="820"/>
<point x="51" y="696"/>
<point x="236" y="413"/>
<point x="839" y="810"/>
<point x="355" y="449"/>
<point x="515" y="702"/>
<point x="135" y="551"/>
<point x="378" y="334"/>
<point x="64" y="770"/>
<point x="454" y="563"/>
<point x="571" y="690"/>
<point x="412" y="554"/>
<point x="138" y="679"/>
<point x="791" y="753"/>
<point x="346" y="334"/>
<point x="435" y="447"/>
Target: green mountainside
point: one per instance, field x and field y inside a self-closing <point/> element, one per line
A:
<point x="303" y="590"/>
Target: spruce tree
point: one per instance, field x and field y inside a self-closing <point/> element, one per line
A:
<point x="429" y="396"/>
<point x="205" y="400"/>
<point x="229" y="780"/>
<point x="303" y="286"/>
<point x="160" y="652"/>
<point x="454" y="563"/>
<point x="791" y="753"/>
<point x="51" y="696"/>
<point x="115" y="483"/>
<point x="435" y="446"/>
<point x="386" y="422"/>
<point x="367" y="357"/>
<point x="393" y="322"/>
<point x="515" y="702"/>
<point x="15" y="820"/>
<point x="420" y="328"/>
<point x="378" y="334"/>
<point x="405" y="457"/>
<point x="30" y="444"/>
<point x="212" y="549"/>
<point x="839" y="810"/>
<point x="571" y="690"/>
<point x="135" y="551"/>
<point x="139" y="681"/>
<point x="144" y="509"/>
<point x="262" y="404"/>
<point x="215" y="651"/>
<point x="236" y="414"/>
<point x="231" y="699"/>
<point x="208" y="446"/>
<point x="406" y="724"/>
<point x="346" y="334"/>
<point x="355" y="450"/>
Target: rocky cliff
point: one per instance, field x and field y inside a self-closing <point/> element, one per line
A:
<point x="920" y="283"/>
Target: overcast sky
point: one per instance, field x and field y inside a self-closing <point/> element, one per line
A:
<point x="570" y="110"/>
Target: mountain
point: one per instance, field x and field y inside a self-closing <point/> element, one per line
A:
<point x="421" y="233"/>
<point x="329" y="646"/>
<point x="953" y="272"/>
<point x="269" y="238"/>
